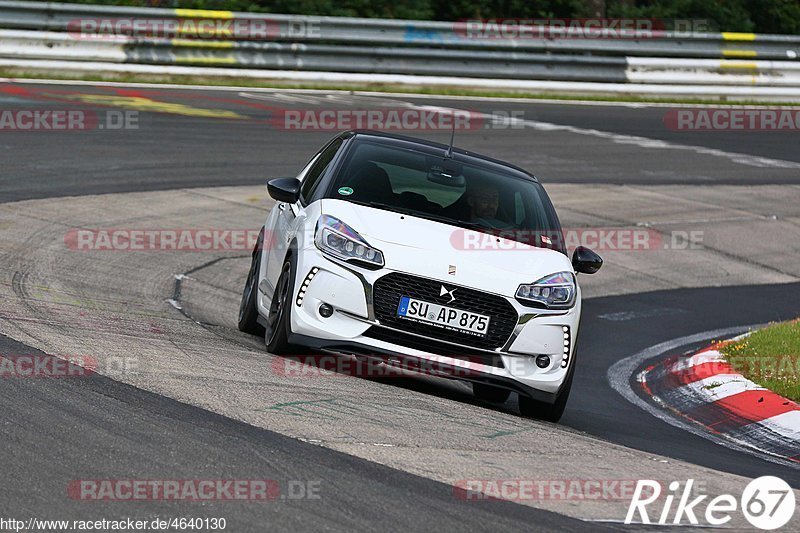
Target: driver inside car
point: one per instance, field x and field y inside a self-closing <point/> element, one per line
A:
<point x="484" y="203"/>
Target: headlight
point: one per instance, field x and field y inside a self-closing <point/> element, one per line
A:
<point x="336" y="238"/>
<point x="556" y="291"/>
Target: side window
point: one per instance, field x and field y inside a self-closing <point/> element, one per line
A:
<point x="311" y="179"/>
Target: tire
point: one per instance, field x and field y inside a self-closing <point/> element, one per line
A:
<point x="489" y="393"/>
<point x="544" y="411"/>
<point x="276" y="334"/>
<point x="248" y="308"/>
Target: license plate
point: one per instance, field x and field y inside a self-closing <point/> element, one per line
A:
<point x="443" y="316"/>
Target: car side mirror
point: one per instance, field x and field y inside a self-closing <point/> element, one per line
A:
<point x="284" y="189"/>
<point x="586" y="261"/>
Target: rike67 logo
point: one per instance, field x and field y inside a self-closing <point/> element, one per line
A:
<point x="767" y="503"/>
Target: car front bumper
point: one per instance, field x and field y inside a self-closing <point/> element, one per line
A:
<point x="352" y="328"/>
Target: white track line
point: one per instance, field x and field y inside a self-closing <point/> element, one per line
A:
<point x="648" y="143"/>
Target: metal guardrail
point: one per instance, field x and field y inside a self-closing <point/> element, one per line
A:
<point x="310" y="57"/>
<point x="49" y="31"/>
<point x="390" y="32"/>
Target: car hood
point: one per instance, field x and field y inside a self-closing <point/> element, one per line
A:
<point x="433" y="249"/>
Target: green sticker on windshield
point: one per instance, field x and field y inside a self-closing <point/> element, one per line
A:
<point x="345" y="191"/>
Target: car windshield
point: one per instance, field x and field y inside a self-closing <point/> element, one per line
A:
<point x="469" y="196"/>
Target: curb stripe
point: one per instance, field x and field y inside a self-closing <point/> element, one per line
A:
<point x="757" y="405"/>
<point x="707" y="355"/>
<point x="721" y="386"/>
<point x="703" y="371"/>
<point x="705" y="389"/>
<point x="786" y="424"/>
<point x="729" y="414"/>
<point x="621" y="376"/>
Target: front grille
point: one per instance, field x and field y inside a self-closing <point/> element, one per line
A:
<point x="390" y="288"/>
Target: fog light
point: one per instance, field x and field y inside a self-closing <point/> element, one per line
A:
<point x="542" y="361"/>
<point x="325" y="310"/>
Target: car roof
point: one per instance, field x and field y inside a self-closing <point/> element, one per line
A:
<point x="439" y="149"/>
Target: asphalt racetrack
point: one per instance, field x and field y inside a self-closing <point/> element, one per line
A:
<point x="200" y="158"/>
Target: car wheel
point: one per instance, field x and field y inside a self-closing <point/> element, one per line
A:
<point x="276" y="335"/>
<point x="489" y="393"/>
<point x="545" y="411"/>
<point x="248" y="310"/>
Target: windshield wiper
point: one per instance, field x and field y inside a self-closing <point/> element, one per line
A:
<point x="385" y="207"/>
<point x="430" y="216"/>
<point x="451" y="221"/>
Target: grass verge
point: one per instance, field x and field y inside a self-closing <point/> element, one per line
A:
<point x="770" y="357"/>
<point x="380" y="87"/>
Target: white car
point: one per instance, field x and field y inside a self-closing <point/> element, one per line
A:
<point x="407" y="251"/>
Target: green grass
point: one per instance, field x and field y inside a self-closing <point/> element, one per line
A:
<point x="378" y="87"/>
<point x="770" y="357"/>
